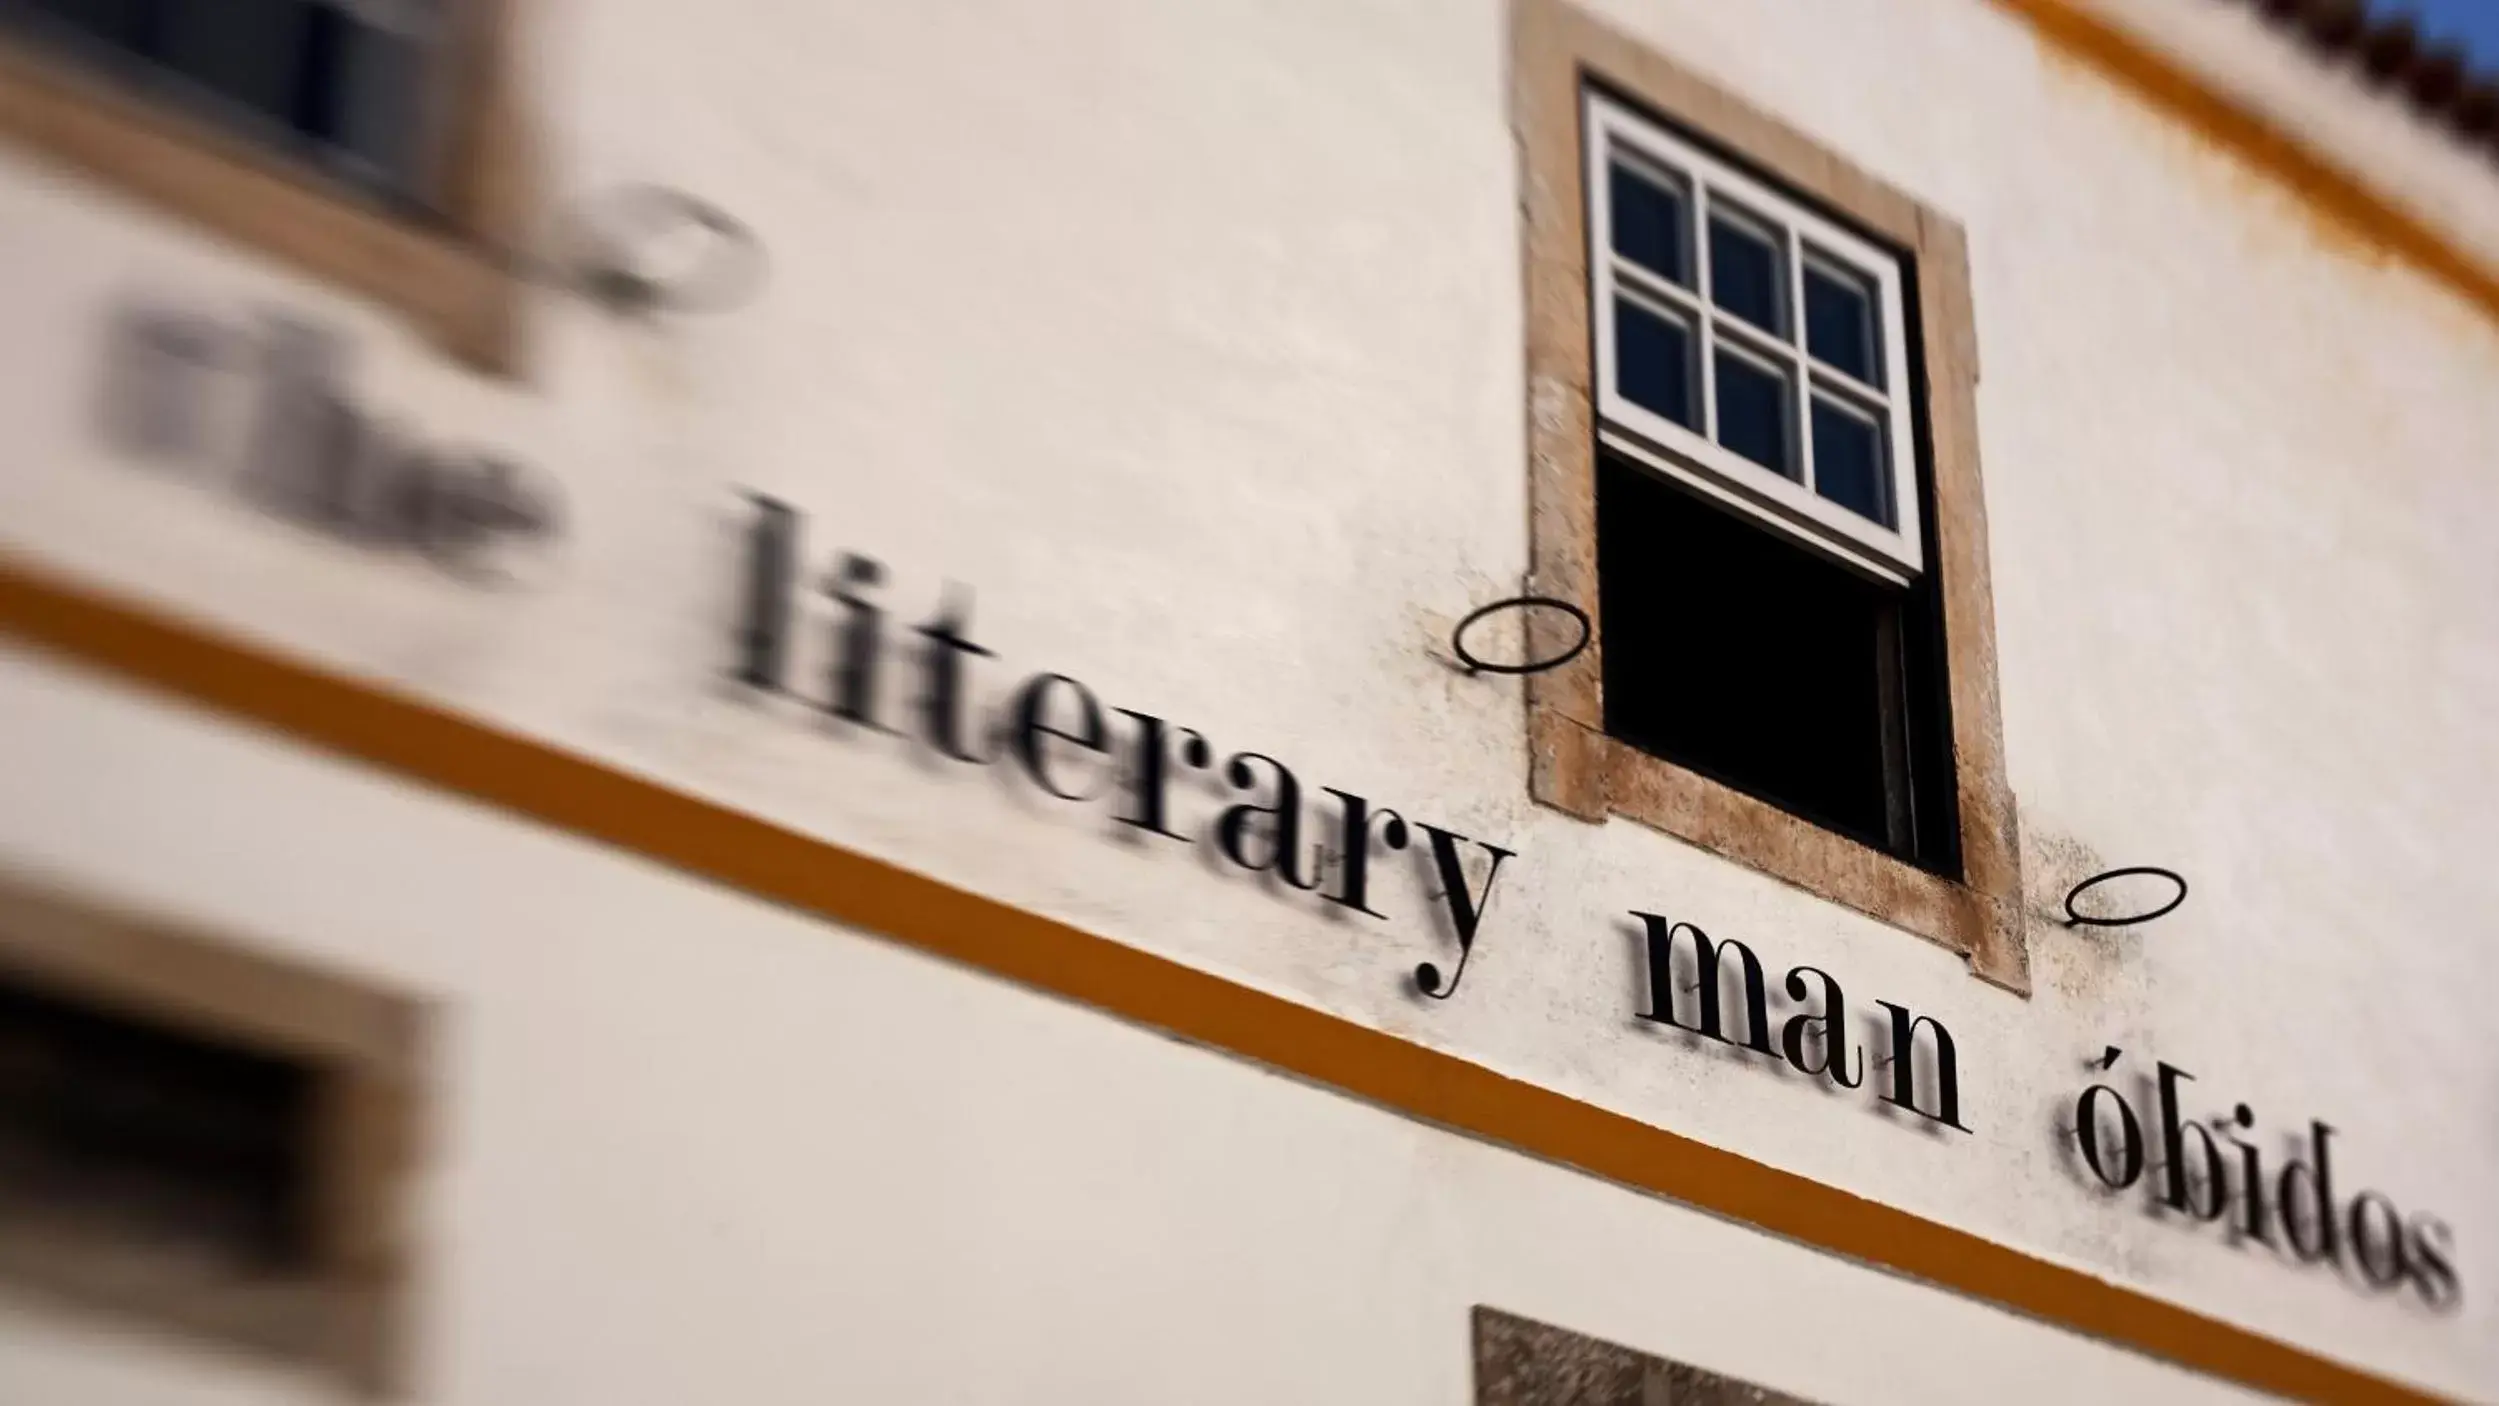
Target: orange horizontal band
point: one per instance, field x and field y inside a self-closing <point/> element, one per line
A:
<point x="408" y="738"/>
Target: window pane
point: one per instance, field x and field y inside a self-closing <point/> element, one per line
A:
<point x="247" y="51"/>
<point x="1653" y="362"/>
<point x="1753" y="412"/>
<point x="348" y="79"/>
<point x="1746" y="274"/>
<point x="1839" y="323"/>
<point x="119" y="21"/>
<point x="380" y="113"/>
<point x="120" y="1122"/>
<point x="1790" y="645"/>
<point x="1651" y="226"/>
<point x="1849" y="463"/>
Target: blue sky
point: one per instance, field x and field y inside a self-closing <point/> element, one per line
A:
<point x="2473" y="22"/>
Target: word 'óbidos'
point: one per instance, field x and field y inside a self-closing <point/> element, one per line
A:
<point x="2194" y="1180"/>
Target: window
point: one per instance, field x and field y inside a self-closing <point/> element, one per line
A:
<point x="1750" y="347"/>
<point x="1752" y="461"/>
<point x="373" y="143"/>
<point x="197" y="1137"/>
<point x="1759" y="560"/>
<point x="343" y="85"/>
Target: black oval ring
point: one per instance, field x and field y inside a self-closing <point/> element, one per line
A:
<point x="627" y="213"/>
<point x="2076" y="919"/>
<point x="1475" y="665"/>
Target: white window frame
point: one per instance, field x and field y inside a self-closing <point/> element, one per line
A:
<point x="1694" y="457"/>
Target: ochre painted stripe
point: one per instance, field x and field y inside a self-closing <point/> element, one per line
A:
<point x="2346" y="202"/>
<point x="409" y="738"/>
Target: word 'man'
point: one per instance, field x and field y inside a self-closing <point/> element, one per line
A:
<point x="1062" y="737"/>
<point x="1814" y="1040"/>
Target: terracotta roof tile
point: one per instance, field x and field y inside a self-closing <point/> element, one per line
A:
<point x="2388" y="52"/>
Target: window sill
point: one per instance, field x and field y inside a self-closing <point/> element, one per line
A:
<point x="450" y="282"/>
<point x="1592" y="776"/>
<point x="88" y="1267"/>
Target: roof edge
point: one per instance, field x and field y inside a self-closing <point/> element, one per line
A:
<point x="2389" y="53"/>
<point x="2330" y="183"/>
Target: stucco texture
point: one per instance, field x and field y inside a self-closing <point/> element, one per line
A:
<point x="1188" y="340"/>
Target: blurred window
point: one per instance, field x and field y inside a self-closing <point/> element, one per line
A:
<point x="198" y="1137"/>
<point x="194" y="1144"/>
<point x="349" y="87"/>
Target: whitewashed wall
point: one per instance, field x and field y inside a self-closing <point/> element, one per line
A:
<point x="1188" y="336"/>
<point x="698" y="1149"/>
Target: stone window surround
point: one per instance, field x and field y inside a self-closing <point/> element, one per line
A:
<point x="346" y="1314"/>
<point x="1521" y="1362"/>
<point x="448" y="272"/>
<point x="1575" y="766"/>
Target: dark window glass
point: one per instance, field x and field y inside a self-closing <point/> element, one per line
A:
<point x="113" y="1122"/>
<point x="249" y="52"/>
<point x="1739" y="654"/>
<point x="378" y="113"/>
<point x="1651" y="226"/>
<point x="321" y="79"/>
<point x="1746" y="275"/>
<point x="1653" y="362"/>
<point x="1754" y="413"/>
<point x="114" y="21"/>
<point x="308" y="76"/>
<point x="1839" y="324"/>
<point x="1848" y="462"/>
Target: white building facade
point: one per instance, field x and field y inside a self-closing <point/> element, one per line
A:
<point x="802" y="673"/>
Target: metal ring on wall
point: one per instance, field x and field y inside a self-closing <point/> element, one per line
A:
<point x="2074" y="917"/>
<point x="614" y="227"/>
<point x="1477" y="665"/>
